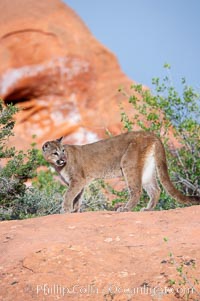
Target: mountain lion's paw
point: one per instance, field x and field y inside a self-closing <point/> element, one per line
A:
<point x="145" y="209"/>
<point x="122" y="209"/>
<point x="62" y="211"/>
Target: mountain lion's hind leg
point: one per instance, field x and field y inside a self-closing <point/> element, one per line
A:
<point x="130" y="170"/>
<point x="153" y="190"/>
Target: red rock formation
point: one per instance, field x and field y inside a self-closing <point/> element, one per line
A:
<point x="53" y="67"/>
<point x="102" y="253"/>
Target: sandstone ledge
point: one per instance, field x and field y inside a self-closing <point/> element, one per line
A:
<point x="84" y="254"/>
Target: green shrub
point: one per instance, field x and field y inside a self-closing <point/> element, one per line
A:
<point x="20" y="166"/>
<point x="16" y="199"/>
<point x="44" y="197"/>
<point x="166" y="112"/>
<point x="94" y="199"/>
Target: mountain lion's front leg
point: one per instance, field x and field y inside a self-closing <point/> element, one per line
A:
<point x="72" y="197"/>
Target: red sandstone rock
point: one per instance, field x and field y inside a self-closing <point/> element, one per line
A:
<point x="53" y="67"/>
<point x="89" y="253"/>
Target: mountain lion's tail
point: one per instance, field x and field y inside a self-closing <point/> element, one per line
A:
<point x="161" y="166"/>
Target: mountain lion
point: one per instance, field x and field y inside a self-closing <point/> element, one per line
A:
<point x="138" y="156"/>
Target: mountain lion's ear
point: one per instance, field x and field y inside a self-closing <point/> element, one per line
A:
<point x="45" y="146"/>
<point x="59" y="139"/>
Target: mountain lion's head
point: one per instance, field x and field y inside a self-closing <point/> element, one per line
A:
<point x="54" y="152"/>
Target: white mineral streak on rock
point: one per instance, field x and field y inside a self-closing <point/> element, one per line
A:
<point x="67" y="68"/>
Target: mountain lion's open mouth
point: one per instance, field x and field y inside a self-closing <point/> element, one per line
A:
<point x="60" y="162"/>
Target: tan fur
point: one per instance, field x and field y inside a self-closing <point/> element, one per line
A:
<point x="135" y="155"/>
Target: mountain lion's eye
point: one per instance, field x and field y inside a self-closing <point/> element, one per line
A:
<point x="63" y="150"/>
<point x="55" y="153"/>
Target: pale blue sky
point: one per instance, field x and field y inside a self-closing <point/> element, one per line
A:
<point x="144" y="34"/>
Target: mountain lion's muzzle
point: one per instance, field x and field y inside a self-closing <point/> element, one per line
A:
<point x="61" y="162"/>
